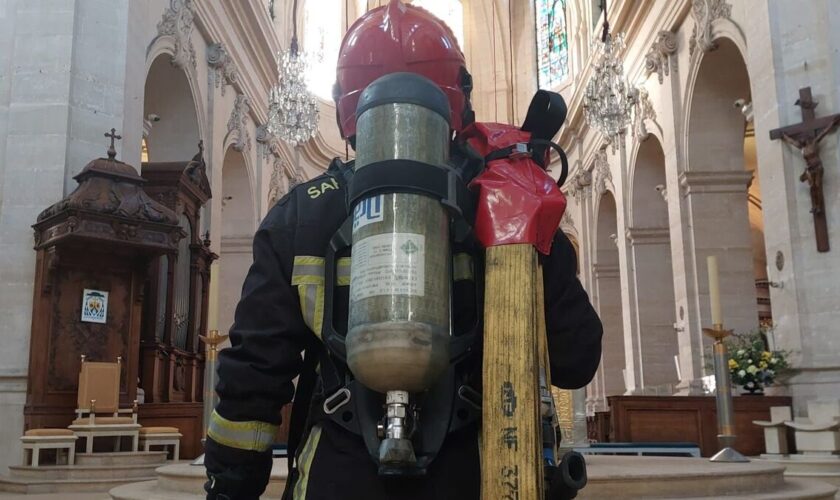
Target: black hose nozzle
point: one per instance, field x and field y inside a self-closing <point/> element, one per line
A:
<point x="568" y="477"/>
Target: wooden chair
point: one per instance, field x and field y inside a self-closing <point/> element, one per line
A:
<point x="99" y="394"/>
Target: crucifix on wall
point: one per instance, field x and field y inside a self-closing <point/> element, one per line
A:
<point x="806" y="137"/>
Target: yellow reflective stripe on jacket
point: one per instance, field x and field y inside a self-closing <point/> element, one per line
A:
<point x="305" y="463"/>
<point x="251" y="435"/>
<point x="308" y="275"/>
<point x="312" y="306"/>
<point x="342" y="275"/>
<point x="308" y="270"/>
<point x="462" y="267"/>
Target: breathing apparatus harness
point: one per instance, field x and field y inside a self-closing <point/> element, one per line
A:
<point x="454" y="401"/>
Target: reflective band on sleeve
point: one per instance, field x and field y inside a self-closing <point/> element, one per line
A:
<point x="308" y="270"/>
<point x="342" y="275"/>
<point x="305" y="463"/>
<point x="462" y="267"/>
<point x="251" y="435"/>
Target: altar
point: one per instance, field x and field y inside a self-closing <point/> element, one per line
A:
<point x="692" y="419"/>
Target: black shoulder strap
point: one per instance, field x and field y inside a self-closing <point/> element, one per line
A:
<point x="302" y="401"/>
<point x="546" y="115"/>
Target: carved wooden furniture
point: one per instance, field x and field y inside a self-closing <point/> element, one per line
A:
<point x="161" y="436"/>
<point x="63" y="441"/>
<point x="99" y="393"/>
<point x="101" y="237"/>
<point x="692" y="419"/>
<point x="175" y="312"/>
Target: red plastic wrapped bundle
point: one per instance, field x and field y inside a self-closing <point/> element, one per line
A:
<point x="518" y="202"/>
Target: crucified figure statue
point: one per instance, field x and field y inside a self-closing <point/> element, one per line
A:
<point x="813" y="174"/>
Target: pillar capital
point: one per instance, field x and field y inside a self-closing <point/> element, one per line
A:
<point x="702" y="182"/>
<point x="648" y="235"/>
<point x="605" y="270"/>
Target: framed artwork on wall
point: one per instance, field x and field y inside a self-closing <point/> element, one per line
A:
<point x="94" y="306"/>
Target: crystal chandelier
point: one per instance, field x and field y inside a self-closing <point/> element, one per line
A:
<point x="609" y="99"/>
<point x="292" y="108"/>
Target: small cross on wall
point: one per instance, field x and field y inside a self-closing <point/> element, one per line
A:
<point x="112" y="152"/>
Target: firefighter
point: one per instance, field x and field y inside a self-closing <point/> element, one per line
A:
<point x="279" y="321"/>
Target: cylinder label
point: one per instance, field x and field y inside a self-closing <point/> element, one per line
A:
<point x="368" y="211"/>
<point x="388" y="264"/>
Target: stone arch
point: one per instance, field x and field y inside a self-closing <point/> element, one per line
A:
<point x="716" y="186"/>
<point x="652" y="272"/>
<point x="238" y="223"/>
<point x="608" y="294"/>
<point x="170" y="96"/>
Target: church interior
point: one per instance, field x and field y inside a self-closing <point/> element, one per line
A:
<point x="144" y="141"/>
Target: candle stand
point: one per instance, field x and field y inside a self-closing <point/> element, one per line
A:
<point x="723" y="396"/>
<point x="212" y="340"/>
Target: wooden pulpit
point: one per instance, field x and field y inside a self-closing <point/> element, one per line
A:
<point x="93" y="251"/>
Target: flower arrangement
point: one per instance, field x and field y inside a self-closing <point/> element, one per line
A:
<point x="751" y="364"/>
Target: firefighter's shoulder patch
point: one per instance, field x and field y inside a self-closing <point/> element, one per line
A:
<point x="319" y="186"/>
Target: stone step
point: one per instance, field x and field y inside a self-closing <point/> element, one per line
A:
<point x="122" y="458"/>
<point x="664" y="477"/>
<point x="793" y="489"/>
<point x="187" y="478"/>
<point x="609" y="477"/>
<point x="794" y="463"/>
<point x="186" y="482"/>
<point x="825" y="469"/>
<point x="65" y="472"/>
<point x="29" y="486"/>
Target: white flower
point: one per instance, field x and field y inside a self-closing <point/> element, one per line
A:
<point x="773" y="361"/>
<point x="740" y="352"/>
<point x="752" y="369"/>
<point x="770" y="373"/>
<point x="749" y="361"/>
<point x="750" y="384"/>
<point x="742" y="373"/>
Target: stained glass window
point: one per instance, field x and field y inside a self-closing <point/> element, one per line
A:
<point x="322" y="35"/>
<point x="552" y="42"/>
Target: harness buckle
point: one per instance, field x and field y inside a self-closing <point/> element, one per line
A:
<point x="336" y="401"/>
<point x="520" y="150"/>
<point x="470" y="396"/>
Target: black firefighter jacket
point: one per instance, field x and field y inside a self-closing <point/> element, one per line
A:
<point x="280" y="314"/>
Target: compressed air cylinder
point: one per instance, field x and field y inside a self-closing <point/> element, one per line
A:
<point x="399" y="321"/>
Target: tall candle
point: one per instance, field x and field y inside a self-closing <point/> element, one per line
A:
<point x="714" y="289"/>
<point x="213" y="299"/>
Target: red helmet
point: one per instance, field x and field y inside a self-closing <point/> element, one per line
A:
<point x="396" y="38"/>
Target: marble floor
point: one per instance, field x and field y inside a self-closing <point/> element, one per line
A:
<point x="56" y="496"/>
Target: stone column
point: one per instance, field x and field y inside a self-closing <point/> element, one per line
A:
<point x="718" y="225"/>
<point x="654" y="285"/>
<point x="608" y="284"/>
<point x="798" y="50"/>
<point x="58" y="96"/>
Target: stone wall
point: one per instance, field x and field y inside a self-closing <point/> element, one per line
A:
<point x="763" y="52"/>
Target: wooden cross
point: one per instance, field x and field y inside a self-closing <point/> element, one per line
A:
<point x="806" y="137"/>
<point x="112" y="153"/>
